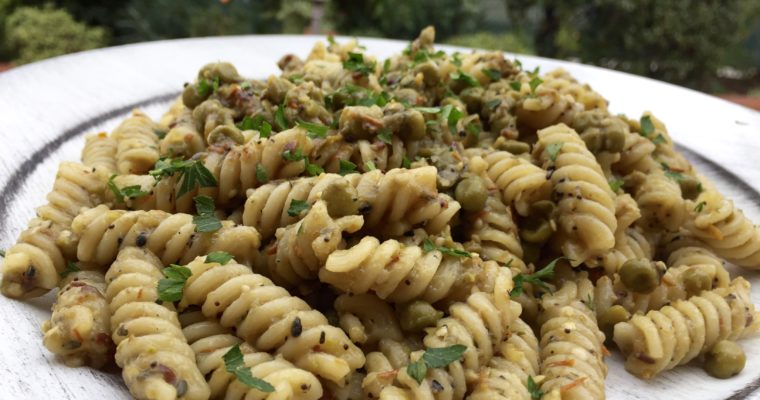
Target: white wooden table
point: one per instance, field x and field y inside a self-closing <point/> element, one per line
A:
<point x="46" y="107"/>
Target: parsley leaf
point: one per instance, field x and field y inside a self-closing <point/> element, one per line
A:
<point x="492" y="74"/>
<point x="129" y="192"/>
<point x="313" y="130"/>
<point x="205" y="221"/>
<point x="435" y="358"/>
<point x="385" y="135"/>
<point x="355" y="62"/>
<point x="536" y="278"/>
<point x="215" y="84"/>
<point x="534" y="84"/>
<point x="406" y="163"/>
<point x="464" y="77"/>
<point x="647" y="127"/>
<point x="292" y="155"/>
<point x="221" y="257"/>
<point x="313" y="169"/>
<point x="297" y="207"/>
<point x="674" y="175"/>
<point x="346" y="167"/>
<point x="2" y="253"/>
<point x="160" y="133"/>
<point x="534" y="389"/>
<point x="616" y="184"/>
<point x="700" y="206"/>
<point x="331" y="40"/>
<point x="492" y="104"/>
<point x="515" y="85"/>
<point x="369" y="166"/>
<point x="428" y="245"/>
<point x="451" y="115"/>
<point x="192" y="174"/>
<point x="171" y="288"/>
<point x="428" y="110"/>
<point x="553" y="150"/>
<point x="235" y="364"/>
<point x="473" y="129"/>
<point x="257" y="123"/>
<point x="203" y="88"/>
<point x="659" y="139"/>
<point x="246" y="124"/>
<point x="279" y="118"/>
<point x="261" y="174"/>
<point x="70" y="267"/>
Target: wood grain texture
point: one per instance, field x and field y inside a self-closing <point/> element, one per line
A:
<point x="47" y="107"/>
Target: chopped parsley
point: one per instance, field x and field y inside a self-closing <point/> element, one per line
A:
<point x="553" y="149"/>
<point x="205" y="221"/>
<point x="616" y="184"/>
<point x="70" y="268"/>
<point x="647" y="127"/>
<point x="492" y="104"/>
<point x="313" y="130"/>
<point x="261" y="174"/>
<point x="536" y="278"/>
<point x="428" y="110"/>
<point x="451" y="115"/>
<point x="160" y="133"/>
<point x="369" y="166"/>
<point x="492" y="74"/>
<point x="313" y="169"/>
<point x="428" y="246"/>
<point x="246" y="124"/>
<point x="406" y="163"/>
<point x="279" y="118"/>
<point x="515" y="85"/>
<point x="297" y="207"/>
<point x="385" y="135"/>
<point x="700" y="206"/>
<point x="203" y="88"/>
<point x="534" y="82"/>
<point x="355" y="62"/>
<point x="659" y="139"/>
<point x="534" y="389"/>
<point x="193" y="173"/>
<point x="129" y="192"/>
<point x="257" y="123"/>
<point x="221" y="257"/>
<point x="297" y="155"/>
<point x="2" y="253"/>
<point x="171" y="288"/>
<point x="346" y="167"/>
<point x="235" y="364"/>
<point x="464" y="77"/>
<point x="434" y="358"/>
<point x="674" y="175"/>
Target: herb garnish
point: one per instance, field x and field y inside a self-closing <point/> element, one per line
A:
<point x="434" y="358"/>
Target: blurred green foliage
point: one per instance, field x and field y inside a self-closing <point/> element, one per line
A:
<point x="684" y="42"/>
<point x="37" y="33"/>
<point x="494" y="41"/>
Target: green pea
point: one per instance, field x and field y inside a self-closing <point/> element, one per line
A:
<point x="615" y="141"/>
<point x="696" y="280"/>
<point x="226" y="72"/>
<point x="725" y="359"/>
<point x="341" y="198"/>
<point x="611" y="316"/>
<point x="472" y="193"/>
<point x="413" y="126"/>
<point x="473" y="99"/>
<point x="640" y="275"/>
<point x="690" y="187"/>
<point x="535" y="230"/>
<point x="513" y="146"/>
<point x="418" y="315"/>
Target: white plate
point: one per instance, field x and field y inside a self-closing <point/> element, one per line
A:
<point x="46" y="107"/>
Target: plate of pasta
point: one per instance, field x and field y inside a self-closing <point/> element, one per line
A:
<point x="298" y="217"/>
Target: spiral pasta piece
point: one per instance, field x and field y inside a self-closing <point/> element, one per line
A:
<point x="678" y="333"/>
<point x="521" y="183"/>
<point x="102" y="232"/>
<point x="182" y="139"/>
<point x="636" y="155"/>
<point x="493" y="235"/>
<point x="546" y="107"/>
<point x="137" y="144"/>
<point x="99" y="152"/>
<point x="586" y="203"/>
<point x="210" y="341"/>
<point x="32" y="266"/>
<point x="482" y="324"/>
<point x="78" y="330"/>
<point x="725" y="229"/>
<point x="659" y="199"/>
<point x="561" y="80"/>
<point x="400" y="273"/>
<point x="157" y="363"/>
<point x="302" y="248"/>
<point x="572" y="347"/>
<point x="392" y="202"/>
<point x="270" y="319"/>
